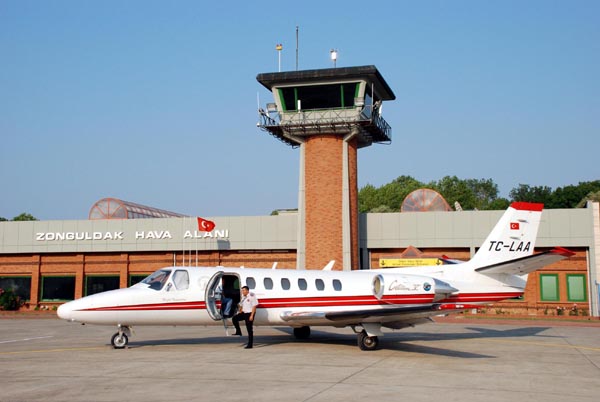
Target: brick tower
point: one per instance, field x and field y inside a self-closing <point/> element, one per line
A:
<point x="330" y="114"/>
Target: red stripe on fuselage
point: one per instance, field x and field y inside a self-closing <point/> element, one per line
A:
<point x="345" y="301"/>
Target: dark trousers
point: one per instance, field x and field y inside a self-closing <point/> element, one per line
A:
<point x="244" y="317"/>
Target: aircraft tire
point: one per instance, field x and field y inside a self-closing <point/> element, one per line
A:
<point x="119" y="341"/>
<point x="302" y="332"/>
<point x="366" y="342"/>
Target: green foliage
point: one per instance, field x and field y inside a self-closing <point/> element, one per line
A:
<point x="481" y="194"/>
<point x="3" y="219"/>
<point x="382" y="209"/>
<point x="528" y="193"/>
<point x="593" y="196"/>
<point x="389" y="195"/>
<point x="25" y="217"/>
<point x="9" y="300"/>
<point x="563" y="197"/>
<point x="470" y="193"/>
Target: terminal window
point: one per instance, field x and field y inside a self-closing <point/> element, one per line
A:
<point x="549" y="287"/>
<point x="576" y="289"/>
<point x="135" y="278"/>
<point x="58" y="288"/>
<point x="20" y="285"/>
<point x="100" y="283"/>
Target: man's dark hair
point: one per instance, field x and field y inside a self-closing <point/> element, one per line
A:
<point x="245" y="287"/>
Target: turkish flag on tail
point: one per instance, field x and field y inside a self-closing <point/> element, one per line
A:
<point x="205" y="225"/>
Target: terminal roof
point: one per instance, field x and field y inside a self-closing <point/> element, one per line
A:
<point x="269" y="80"/>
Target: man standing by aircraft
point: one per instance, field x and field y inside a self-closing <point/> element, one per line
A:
<point x="247" y="312"/>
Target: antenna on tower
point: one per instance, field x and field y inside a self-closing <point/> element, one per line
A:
<point x="334" y="54"/>
<point x="296" y="47"/>
<point x="279" y="48"/>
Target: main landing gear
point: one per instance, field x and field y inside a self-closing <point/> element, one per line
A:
<point x="368" y="335"/>
<point x="366" y="342"/>
<point x="121" y="338"/>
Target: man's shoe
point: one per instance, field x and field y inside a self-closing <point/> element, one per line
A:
<point x="248" y="347"/>
<point x="238" y="334"/>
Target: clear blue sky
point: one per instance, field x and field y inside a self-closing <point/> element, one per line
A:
<point x="155" y="101"/>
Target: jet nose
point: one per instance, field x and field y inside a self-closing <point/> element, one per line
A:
<point x="64" y="311"/>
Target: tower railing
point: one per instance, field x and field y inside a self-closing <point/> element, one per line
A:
<point x="372" y="125"/>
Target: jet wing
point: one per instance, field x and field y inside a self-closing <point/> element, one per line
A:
<point x="395" y="314"/>
<point x="528" y="264"/>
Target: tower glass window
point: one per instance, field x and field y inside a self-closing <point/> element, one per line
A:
<point x="333" y="96"/>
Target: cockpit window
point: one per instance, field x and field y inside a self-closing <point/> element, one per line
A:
<point x="158" y="279"/>
<point x="181" y="279"/>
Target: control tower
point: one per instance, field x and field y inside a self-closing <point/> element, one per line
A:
<point x="329" y="114"/>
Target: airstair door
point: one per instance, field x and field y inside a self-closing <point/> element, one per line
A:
<point x="212" y="297"/>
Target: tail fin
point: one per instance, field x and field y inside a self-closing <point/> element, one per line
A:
<point x="513" y="236"/>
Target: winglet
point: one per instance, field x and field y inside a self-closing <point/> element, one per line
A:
<point x="329" y="266"/>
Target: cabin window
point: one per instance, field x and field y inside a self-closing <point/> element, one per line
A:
<point x="302" y="284"/>
<point x="20" y="285"/>
<point x="251" y="283"/>
<point x="58" y="288"/>
<point x="285" y="284"/>
<point x="101" y="283"/>
<point x="319" y="284"/>
<point x="268" y="283"/>
<point x="181" y="280"/>
<point x="337" y="285"/>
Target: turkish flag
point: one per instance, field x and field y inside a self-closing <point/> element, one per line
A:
<point x="205" y="225"/>
<point x="514" y="226"/>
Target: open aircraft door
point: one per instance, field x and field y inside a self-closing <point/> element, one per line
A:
<point x="213" y="297"/>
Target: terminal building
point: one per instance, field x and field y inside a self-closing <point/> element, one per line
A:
<point x="49" y="262"/>
<point x="328" y="115"/>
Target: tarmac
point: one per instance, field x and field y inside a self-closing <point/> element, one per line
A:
<point x="46" y="359"/>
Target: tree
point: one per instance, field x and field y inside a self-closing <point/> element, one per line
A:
<point x="3" y="219"/>
<point x="367" y="198"/>
<point x="527" y="193"/>
<point x="571" y="196"/>
<point x="590" y="197"/>
<point x="388" y="196"/>
<point x="25" y="217"/>
<point x="454" y="189"/>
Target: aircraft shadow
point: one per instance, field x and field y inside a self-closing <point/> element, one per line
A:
<point x="399" y="341"/>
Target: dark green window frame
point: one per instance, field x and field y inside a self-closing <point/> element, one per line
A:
<point x="545" y="296"/>
<point x="43" y="285"/>
<point x="570" y="295"/>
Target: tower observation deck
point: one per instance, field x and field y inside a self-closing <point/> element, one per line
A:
<point x="329" y="114"/>
<point x="333" y="100"/>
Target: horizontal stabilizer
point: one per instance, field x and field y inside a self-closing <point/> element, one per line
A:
<point x="525" y="265"/>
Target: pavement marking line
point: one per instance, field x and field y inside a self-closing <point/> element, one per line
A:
<point x="22" y="352"/>
<point x="27" y="339"/>
<point x="542" y="344"/>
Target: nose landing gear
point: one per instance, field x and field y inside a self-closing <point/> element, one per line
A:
<point x="121" y="338"/>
